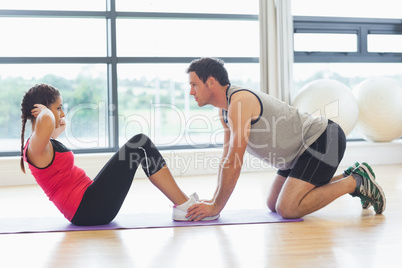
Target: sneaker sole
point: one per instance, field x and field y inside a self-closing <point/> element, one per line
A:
<point x="370" y="172"/>
<point x="367" y="204"/>
<point x="204" y="219"/>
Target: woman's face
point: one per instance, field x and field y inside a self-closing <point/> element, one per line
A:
<point x="57" y="111"/>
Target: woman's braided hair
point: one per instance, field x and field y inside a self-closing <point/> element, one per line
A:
<point x="39" y="94"/>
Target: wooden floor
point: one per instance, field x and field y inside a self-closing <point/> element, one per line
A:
<point x="340" y="235"/>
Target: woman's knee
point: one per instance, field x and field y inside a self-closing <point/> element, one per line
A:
<point x="139" y="140"/>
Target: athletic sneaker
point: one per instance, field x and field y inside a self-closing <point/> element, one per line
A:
<point x="180" y="211"/>
<point x="347" y="172"/>
<point x="368" y="189"/>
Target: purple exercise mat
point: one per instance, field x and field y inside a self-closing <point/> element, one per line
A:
<point x="136" y="221"/>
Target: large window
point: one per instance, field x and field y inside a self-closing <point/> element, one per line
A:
<point x="120" y="66"/>
<point x="83" y="87"/>
<point x="154" y="99"/>
<point x="349" y="41"/>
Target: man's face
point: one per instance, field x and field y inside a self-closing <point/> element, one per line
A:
<point x="199" y="90"/>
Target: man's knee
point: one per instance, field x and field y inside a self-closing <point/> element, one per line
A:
<point x="287" y="212"/>
<point x="271" y="204"/>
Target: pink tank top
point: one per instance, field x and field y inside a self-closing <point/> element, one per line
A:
<point x="62" y="181"/>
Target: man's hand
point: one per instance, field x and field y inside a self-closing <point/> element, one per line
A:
<point x="201" y="210"/>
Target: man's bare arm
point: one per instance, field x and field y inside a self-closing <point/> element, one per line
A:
<point x="240" y="114"/>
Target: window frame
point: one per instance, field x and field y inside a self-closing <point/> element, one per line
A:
<point x="362" y="27"/>
<point x="111" y="60"/>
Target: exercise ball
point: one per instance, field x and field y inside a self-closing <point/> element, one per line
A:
<point x="380" y="105"/>
<point x="331" y="99"/>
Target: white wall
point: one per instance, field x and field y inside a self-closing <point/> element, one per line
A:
<point x="205" y="161"/>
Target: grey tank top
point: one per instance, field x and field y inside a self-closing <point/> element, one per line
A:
<point x="281" y="133"/>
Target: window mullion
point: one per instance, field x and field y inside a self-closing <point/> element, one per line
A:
<point x="362" y="41"/>
<point x="112" y="119"/>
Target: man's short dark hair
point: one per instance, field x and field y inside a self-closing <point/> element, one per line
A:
<point x="210" y="67"/>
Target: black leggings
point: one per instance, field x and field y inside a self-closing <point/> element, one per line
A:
<point x="104" y="197"/>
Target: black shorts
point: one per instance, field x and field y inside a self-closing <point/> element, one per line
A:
<point x="318" y="164"/>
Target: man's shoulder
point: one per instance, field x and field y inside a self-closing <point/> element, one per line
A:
<point x="242" y="94"/>
<point x="234" y="88"/>
<point x="238" y="90"/>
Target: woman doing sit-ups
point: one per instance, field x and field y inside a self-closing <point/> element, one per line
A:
<point x="80" y="199"/>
